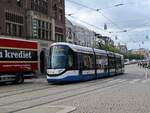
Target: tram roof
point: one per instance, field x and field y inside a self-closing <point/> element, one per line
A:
<point x="88" y="50"/>
<point x="82" y="49"/>
<point x="100" y="52"/>
<point x="114" y="54"/>
<point x="119" y="55"/>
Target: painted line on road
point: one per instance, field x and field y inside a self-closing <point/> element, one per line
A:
<point x="49" y="109"/>
<point x="118" y="80"/>
<point x="146" y="81"/>
<point x="134" y="81"/>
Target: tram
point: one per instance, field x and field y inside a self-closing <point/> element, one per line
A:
<point x="74" y="63"/>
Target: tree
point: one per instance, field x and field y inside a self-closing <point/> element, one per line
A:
<point x="133" y="56"/>
<point x="108" y="47"/>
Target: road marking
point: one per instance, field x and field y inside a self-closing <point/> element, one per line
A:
<point x="145" y="81"/>
<point x="123" y="80"/>
<point x="134" y="81"/>
<point x="115" y="80"/>
<point x="49" y="109"/>
<point x="118" y="80"/>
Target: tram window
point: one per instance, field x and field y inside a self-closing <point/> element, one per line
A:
<point x="71" y="60"/>
<point x="58" y="57"/>
<point x="118" y="62"/>
<point x="98" y="62"/>
<point x="111" y="62"/>
<point x="101" y="62"/>
<point x="87" y="61"/>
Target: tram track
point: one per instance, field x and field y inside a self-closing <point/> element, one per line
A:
<point x="31" y="89"/>
<point x="99" y="85"/>
<point x="26" y="90"/>
<point x="59" y="92"/>
<point x="71" y="95"/>
<point x="20" y="87"/>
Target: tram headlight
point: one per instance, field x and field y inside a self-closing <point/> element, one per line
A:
<point x="54" y="71"/>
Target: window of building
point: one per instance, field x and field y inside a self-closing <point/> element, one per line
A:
<point x="55" y="7"/>
<point x="47" y="25"/>
<point x="9" y="1"/>
<point x="8" y="28"/>
<point x="69" y="33"/>
<point x="50" y="38"/>
<point x="19" y="3"/>
<point x="39" y="33"/>
<point x="43" y="24"/>
<point x="14" y="18"/>
<point x="46" y="35"/>
<point x="60" y="1"/>
<point x="20" y="29"/>
<point x="14" y="29"/>
<point x="35" y="1"/>
<point x="60" y="15"/>
<point x="43" y="34"/>
<point x="59" y="37"/>
<point x="39" y="23"/>
<point x="59" y="30"/>
<point x="40" y="6"/>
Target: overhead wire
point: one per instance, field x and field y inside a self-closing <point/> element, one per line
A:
<point x="86" y="22"/>
<point x="99" y="28"/>
<point x="97" y="10"/>
<point x="100" y="11"/>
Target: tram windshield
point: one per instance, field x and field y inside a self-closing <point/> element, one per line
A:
<point x="58" y="57"/>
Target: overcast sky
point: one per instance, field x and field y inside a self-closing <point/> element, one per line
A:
<point x="133" y="16"/>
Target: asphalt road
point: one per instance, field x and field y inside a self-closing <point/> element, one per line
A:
<point x="128" y="93"/>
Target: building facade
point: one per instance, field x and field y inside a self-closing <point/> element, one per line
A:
<point x="141" y="51"/>
<point x="70" y="32"/>
<point x="122" y="48"/>
<point x="12" y="21"/>
<point x="41" y="20"/>
<point x="108" y="40"/>
<point x="84" y="36"/>
<point x="98" y="39"/>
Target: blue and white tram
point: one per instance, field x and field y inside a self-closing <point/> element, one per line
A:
<point x="72" y="63"/>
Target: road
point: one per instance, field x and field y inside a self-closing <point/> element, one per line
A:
<point x="128" y="93"/>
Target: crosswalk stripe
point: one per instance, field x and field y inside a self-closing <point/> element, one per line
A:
<point x="115" y="80"/>
<point x="145" y="81"/>
<point x="134" y="81"/>
<point x="123" y="80"/>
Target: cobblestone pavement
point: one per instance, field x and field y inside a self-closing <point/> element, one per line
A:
<point x="132" y="96"/>
<point x="128" y="93"/>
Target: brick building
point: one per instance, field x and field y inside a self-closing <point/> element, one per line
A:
<point x="42" y="20"/>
